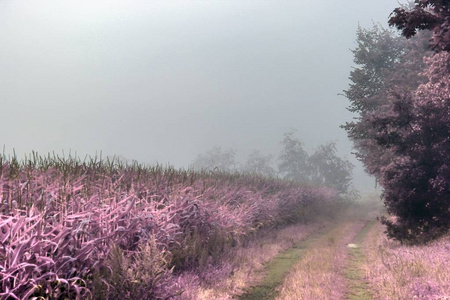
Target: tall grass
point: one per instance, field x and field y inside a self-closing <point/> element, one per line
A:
<point x="72" y="228"/>
<point x="397" y="271"/>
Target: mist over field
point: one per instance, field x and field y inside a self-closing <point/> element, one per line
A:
<point x="163" y="81"/>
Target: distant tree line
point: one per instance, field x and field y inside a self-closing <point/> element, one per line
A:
<point x="323" y="167"/>
<point x="400" y="91"/>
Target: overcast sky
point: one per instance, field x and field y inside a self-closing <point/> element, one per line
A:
<point x="162" y="81"/>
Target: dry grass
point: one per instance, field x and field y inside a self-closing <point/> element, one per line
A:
<point x="404" y="272"/>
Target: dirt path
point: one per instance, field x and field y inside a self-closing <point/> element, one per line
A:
<point x="286" y="266"/>
<point x="278" y="267"/>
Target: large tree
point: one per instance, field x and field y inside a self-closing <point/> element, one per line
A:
<point x="402" y="131"/>
<point x="323" y="167"/>
<point x="377" y="51"/>
<point x="293" y="159"/>
<point x="384" y="62"/>
<point x="415" y="129"/>
<point x="328" y="169"/>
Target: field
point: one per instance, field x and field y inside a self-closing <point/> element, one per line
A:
<point x="100" y="229"/>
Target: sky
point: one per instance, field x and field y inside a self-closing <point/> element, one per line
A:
<point x="163" y="81"/>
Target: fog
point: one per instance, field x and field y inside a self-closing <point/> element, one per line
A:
<point x="162" y="81"/>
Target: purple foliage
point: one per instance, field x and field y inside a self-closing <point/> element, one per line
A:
<point x="433" y="15"/>
<point x="64" y="225"/>
<point x="411" y="133"/>
<point x="401" y="94"/>
<point x="414" y="129"/>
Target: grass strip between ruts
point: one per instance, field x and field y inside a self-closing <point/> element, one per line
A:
<point x="358" y="288"/>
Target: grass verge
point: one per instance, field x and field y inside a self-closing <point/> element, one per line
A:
<point x="402" y="272"/>
<point x="358" y="289"/>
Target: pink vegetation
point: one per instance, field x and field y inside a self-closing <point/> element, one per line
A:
<point x="73" y="230"/>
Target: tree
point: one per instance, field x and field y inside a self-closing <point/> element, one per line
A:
<point x="377" y="51"/>
<point x="431" y="15"/>
<point x="216" y="159"/>
<point x="327" y="169"/>
<point x="293" y="159"/>
<point x="402" y="136"/>
<point x="385" y="62"/>
<point x="323" y="167"/>
<point x="415" y="129"/>
<point x="259" y="164"/>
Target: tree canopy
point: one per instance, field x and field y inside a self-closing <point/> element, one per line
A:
<point x="402" y="131"/>
<point x="293" y="159"/>
<point x="328" y="169"/>
<point x="323" y="167"/>
<point x="432" y="15"/>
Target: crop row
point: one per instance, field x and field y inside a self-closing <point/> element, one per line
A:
<point x="102" y="229"/>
